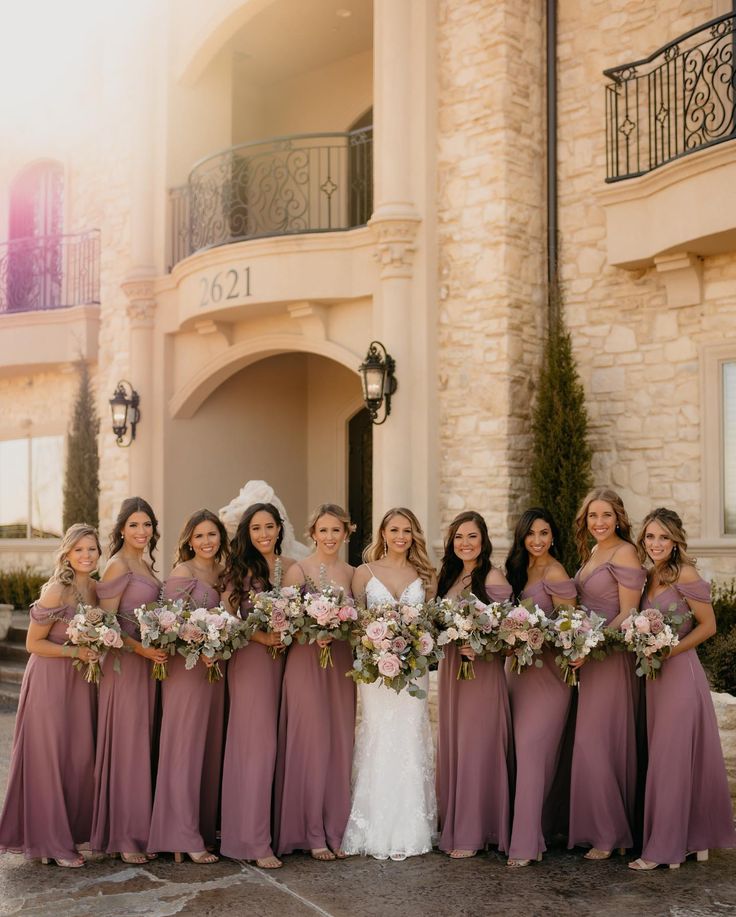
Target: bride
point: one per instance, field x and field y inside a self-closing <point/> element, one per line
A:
<point x="394" y="808"/>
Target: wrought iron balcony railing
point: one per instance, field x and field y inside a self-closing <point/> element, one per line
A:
<point x="298" y="184"/>
<point x="50" y="272"/>
<point x="678" y="100"/>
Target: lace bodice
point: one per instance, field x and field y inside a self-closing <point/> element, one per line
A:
<point x="376" y="593"/>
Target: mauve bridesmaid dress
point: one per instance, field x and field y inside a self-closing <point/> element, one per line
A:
<point x="254" y="687"/>
<point x="687" y="804"/>
<point x="540" y="707"/>
<point x="604" y="759"/>
<point x="48" y="804"/>
<point x="474" y="751"/>
<point x="184" y="816"/>
<point x="123" y="786"/>
<point x="315" y="750"/>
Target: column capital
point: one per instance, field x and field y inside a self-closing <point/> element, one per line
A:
<point x="395" y="246"/>
<point x="140" y="291"/>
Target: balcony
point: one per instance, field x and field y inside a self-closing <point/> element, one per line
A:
<point x="675" y="102"/>
<point x="49" y="301"/>
<point x="50" y="272"/>
<point x="305" y="183"/>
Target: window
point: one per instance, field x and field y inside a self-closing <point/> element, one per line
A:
<point x="31" y="472"/>
<point x="729" y="446"/>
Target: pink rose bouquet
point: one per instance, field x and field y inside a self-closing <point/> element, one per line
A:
<point x="467" y="621"/>
<point x="329" y="614"/>
<point x="97" y="630"/>
<point x="159" y="624"/>
<point x="276" y="611"/>
<point x="651" y="636"/>
<point x="576" y="633"/>
<point x="209" y="633"/>
<point x="394" y="644"/>
<point x="521" y="634"/>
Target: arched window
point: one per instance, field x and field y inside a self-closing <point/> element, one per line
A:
<point x="34" y="278"/>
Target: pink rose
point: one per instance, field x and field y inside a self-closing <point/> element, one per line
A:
<point x="279" y="621"/>
<point x="398" y="645"/>
<point x="385" y="644"/>
<point x="347" y="613"/>
<point x="535" y="638"/>
<point x="642" y="625"/>
<point x="389" y="665"/>
<point x="111" y="639"/>
<point x="519" y="615"/>
<point x="167" y="620"/>
<point x="190" y="633"/>
<point x="486" y="624"/>
<point x="376" y="631"/>
<point x="93" y="616"/>
<point x="426" y="644"/>
<point x="325" y="617"/>
<point x="409" y="614"/>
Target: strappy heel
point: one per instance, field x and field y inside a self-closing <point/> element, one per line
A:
<point x="202" y="858"/>
<point x="66" y="864"/>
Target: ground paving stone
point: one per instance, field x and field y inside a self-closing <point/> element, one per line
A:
<point x="428" y="886"/>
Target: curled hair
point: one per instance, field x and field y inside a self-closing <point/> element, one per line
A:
<point x="330" y="509"/>
<point x="517" y="561"/>
<point x="246" y="561"/>
<point x="184" y="550"/>
<point x="63" y="570"/>
<point x="127" y="508"/>
<point x="452" y="566"/>
<point x="669" y="571"/>
<point x="417" y="553"/>
<point x="581" y="533"/>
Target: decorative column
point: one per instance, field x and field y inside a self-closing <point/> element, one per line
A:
<point x="141" y="312"/>
<point x="394" y="222"/>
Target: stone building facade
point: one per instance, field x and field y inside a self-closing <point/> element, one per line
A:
<point x="244" y="346"/>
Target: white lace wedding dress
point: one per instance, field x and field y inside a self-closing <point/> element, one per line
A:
<point x="394" y="808"/>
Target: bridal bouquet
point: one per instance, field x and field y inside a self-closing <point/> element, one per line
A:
<point x="576" y="632"/>
<point x="521" y="634"/>
<point x="467" y="621"/>
<point x="210" y="632"/>
<point x="329" y="614"/>
<point x="651" y="636"/>
<point x="98" y="630"/>
<point x="396" y="645"/>
<point x="159" y="624"/>
<point x="276" y="611"/>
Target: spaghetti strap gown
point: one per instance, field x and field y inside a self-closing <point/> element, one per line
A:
<point x="687" y="805"/>
<point x="123" y="784"/>
<point x="254" y="679"/>
<point x="604" y="759"/>
<point x="540" y="708"/>
<point x="48" y="806"/>
<point x="187" y="796"/>
<point x="474" y="751"/>
<point x="315" y="749"/>
<point x="393" y="811"/>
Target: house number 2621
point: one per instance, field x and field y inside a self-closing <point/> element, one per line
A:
<point x="225" y="285"/>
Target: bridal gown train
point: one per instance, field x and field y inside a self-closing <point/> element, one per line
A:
<point x="394" y="808"/>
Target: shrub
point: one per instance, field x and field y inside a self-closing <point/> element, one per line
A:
<point x="718" y="654"/>
<point x="561" y="460"/>
<point x="20" y="587"/>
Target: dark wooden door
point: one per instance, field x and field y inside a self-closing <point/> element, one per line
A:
<point x="360" y="482"/>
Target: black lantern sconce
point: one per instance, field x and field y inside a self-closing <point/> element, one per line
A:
<point x="124" y="406"/>
<point x="379" y="382"/>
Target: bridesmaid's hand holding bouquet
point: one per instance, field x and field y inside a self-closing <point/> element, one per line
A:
<point x="96" y="632"/>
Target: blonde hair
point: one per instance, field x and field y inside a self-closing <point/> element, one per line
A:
<point x="417" y="553"/>
<point x="669" y="571"/>
<point x="582" y="535"/>
<point x="63" y="570"/>
<point x="330" y="509"/>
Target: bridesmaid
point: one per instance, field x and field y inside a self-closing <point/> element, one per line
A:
<point x="604" y="760"/>
<point x="317" y="719"/>
<point x="254" y="687"/>
<point x="687" y="806"/>
<point x="184" y="817"/>
<point x="540" y="699"/>
<point x="474" y="751"/>
<point x="47" y="811"/>
<point x="123" y="784"/>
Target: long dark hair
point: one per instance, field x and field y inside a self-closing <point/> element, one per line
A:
<point x="517" y="562"/>
<point x="184" y="550"/>
<point x="127" y="508"/>
<point x="245" y="558"/>
<point x="452" y="565"/>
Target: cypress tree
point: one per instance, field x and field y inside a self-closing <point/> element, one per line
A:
<point x="82" y="475"/>
<point x="561" y="465"/>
